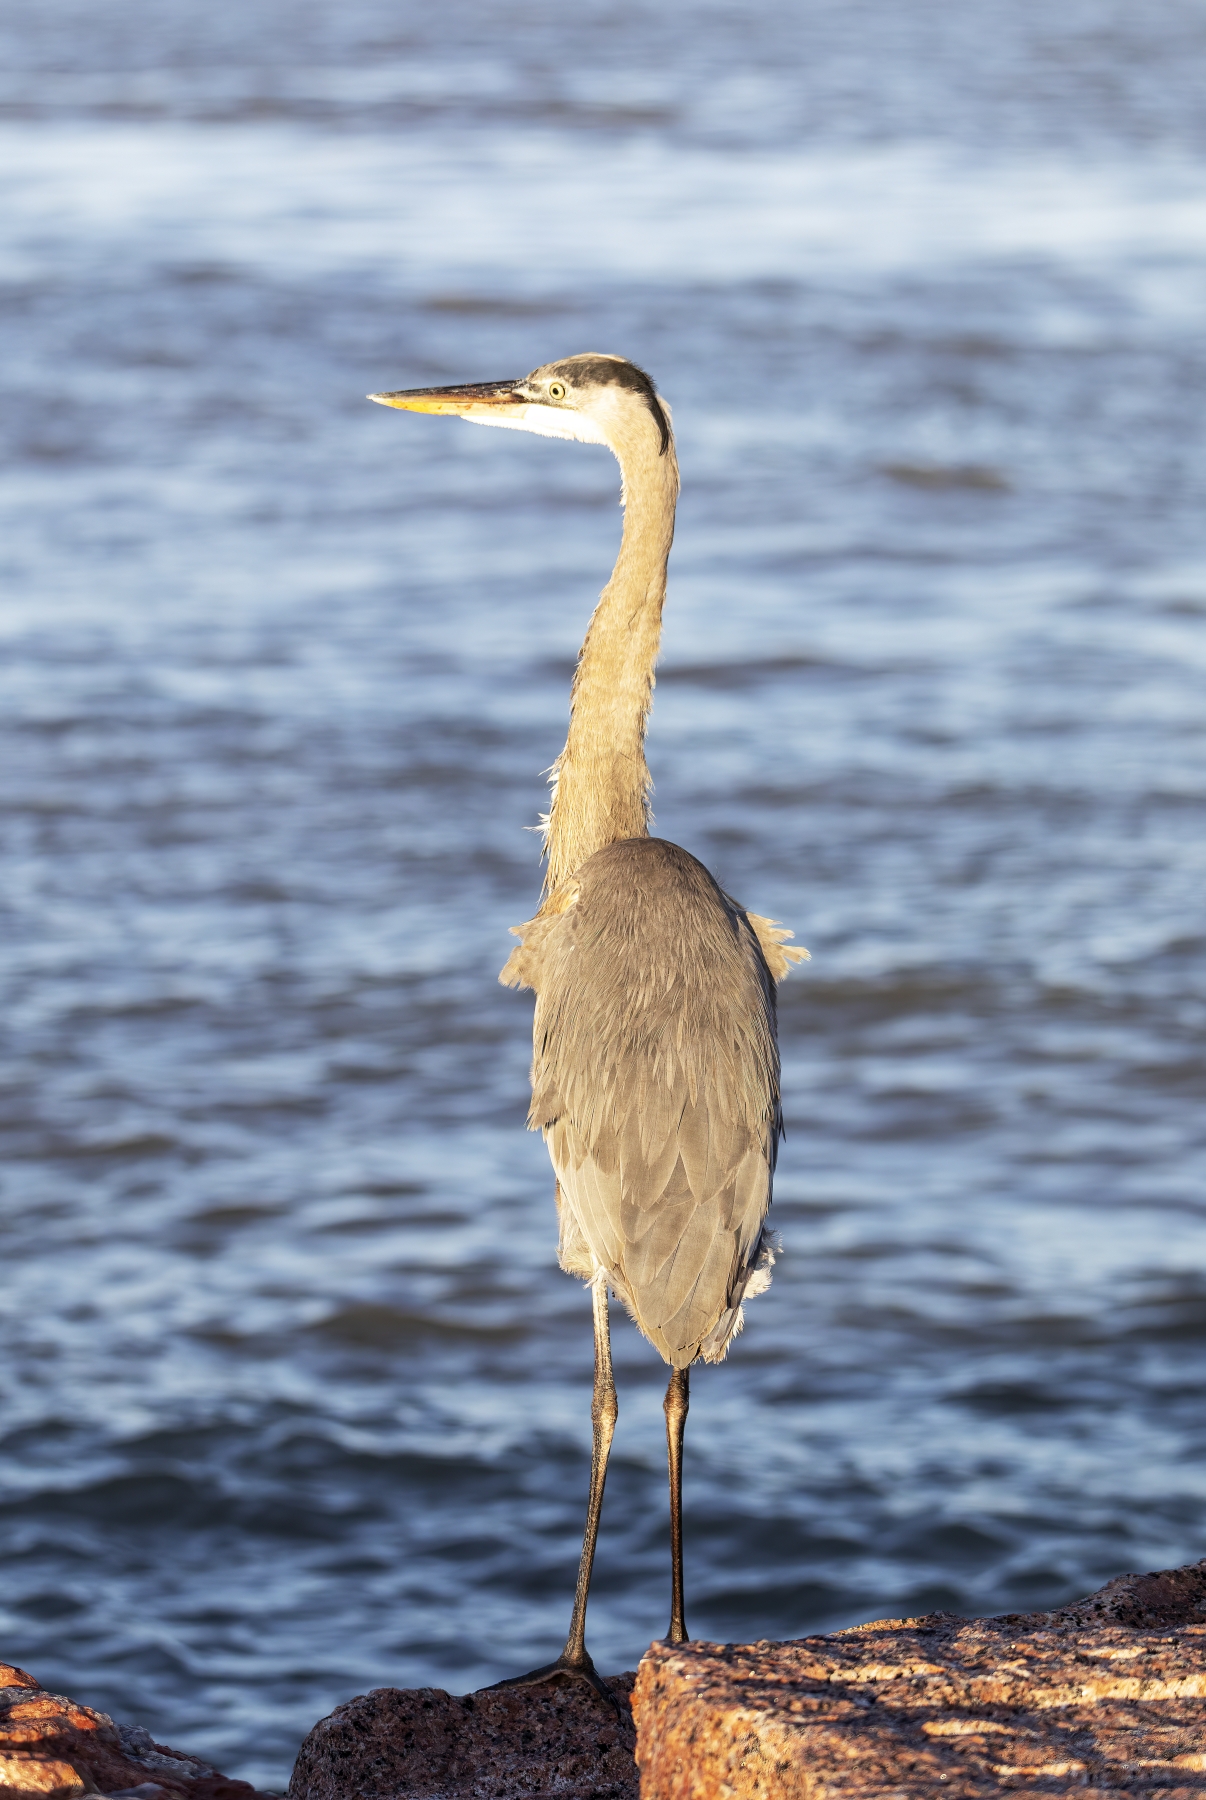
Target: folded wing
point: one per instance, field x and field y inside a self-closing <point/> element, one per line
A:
<point x="655" y="1080"/>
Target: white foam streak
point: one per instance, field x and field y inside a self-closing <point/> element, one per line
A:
<point x="430" y="210"/>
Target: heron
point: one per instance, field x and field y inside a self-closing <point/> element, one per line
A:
<point x="655" y="1071"/>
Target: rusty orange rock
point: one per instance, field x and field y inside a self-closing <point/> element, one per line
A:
<point x="11" y="1676"/>
<point x="52" y="1747"/>
<point x="37" y="1775"/>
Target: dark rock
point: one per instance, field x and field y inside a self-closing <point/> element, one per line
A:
<point x="558" y="1739"/>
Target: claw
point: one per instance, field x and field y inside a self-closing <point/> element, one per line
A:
<point x="567" y="1669"/>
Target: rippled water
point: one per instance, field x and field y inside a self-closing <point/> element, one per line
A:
<point x="295" y="1398"/>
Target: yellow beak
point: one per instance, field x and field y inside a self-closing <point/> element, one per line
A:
<point x="455" y="400"/>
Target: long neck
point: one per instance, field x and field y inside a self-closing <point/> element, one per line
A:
<point x="602" y="781"/>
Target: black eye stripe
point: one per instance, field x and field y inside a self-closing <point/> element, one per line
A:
<point x="603" y="371"/>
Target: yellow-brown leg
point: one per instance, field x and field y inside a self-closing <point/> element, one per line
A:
<point x="575" y="1658"/>
<point x="678" y="1399"/>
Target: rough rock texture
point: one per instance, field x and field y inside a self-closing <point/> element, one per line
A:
<point x="558" y="1739"/>
<point x="1105" y="1697"/>
<point x="57" y="1750"/>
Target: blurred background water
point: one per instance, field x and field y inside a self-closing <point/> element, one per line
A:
<point x="295" y="1401"/>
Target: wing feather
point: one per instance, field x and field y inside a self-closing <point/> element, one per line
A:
<point x="655" y="1080"/>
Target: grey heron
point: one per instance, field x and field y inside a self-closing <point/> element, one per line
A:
<point x="655" y="1073"/>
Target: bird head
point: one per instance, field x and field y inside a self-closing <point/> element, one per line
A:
<point x="594" y="398"/>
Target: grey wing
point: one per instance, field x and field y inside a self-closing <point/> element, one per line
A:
<point x="671" y="1206"/>
<point x="656" y="1084"/>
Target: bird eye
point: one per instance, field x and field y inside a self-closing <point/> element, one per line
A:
<point x="556" y="390"/>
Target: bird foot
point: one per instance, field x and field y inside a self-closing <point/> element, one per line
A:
<point x="566" y="1668"/>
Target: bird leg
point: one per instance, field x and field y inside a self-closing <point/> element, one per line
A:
<point x="678" y="1398"/>
<point x="604" y="1411"/>
<point x="575" y="1660"/>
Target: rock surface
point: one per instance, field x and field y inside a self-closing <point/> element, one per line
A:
<point x="1105" y="1697"/>
<point x="55" y="1749"/>
<point x="559" y="1739"/>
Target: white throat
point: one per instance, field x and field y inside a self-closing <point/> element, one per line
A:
<point x="545" y="421"/>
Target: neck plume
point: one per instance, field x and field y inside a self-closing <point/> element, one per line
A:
<point x="601" y="782"/>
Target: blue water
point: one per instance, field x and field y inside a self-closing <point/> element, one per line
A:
<point x="295" y="1400"/>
